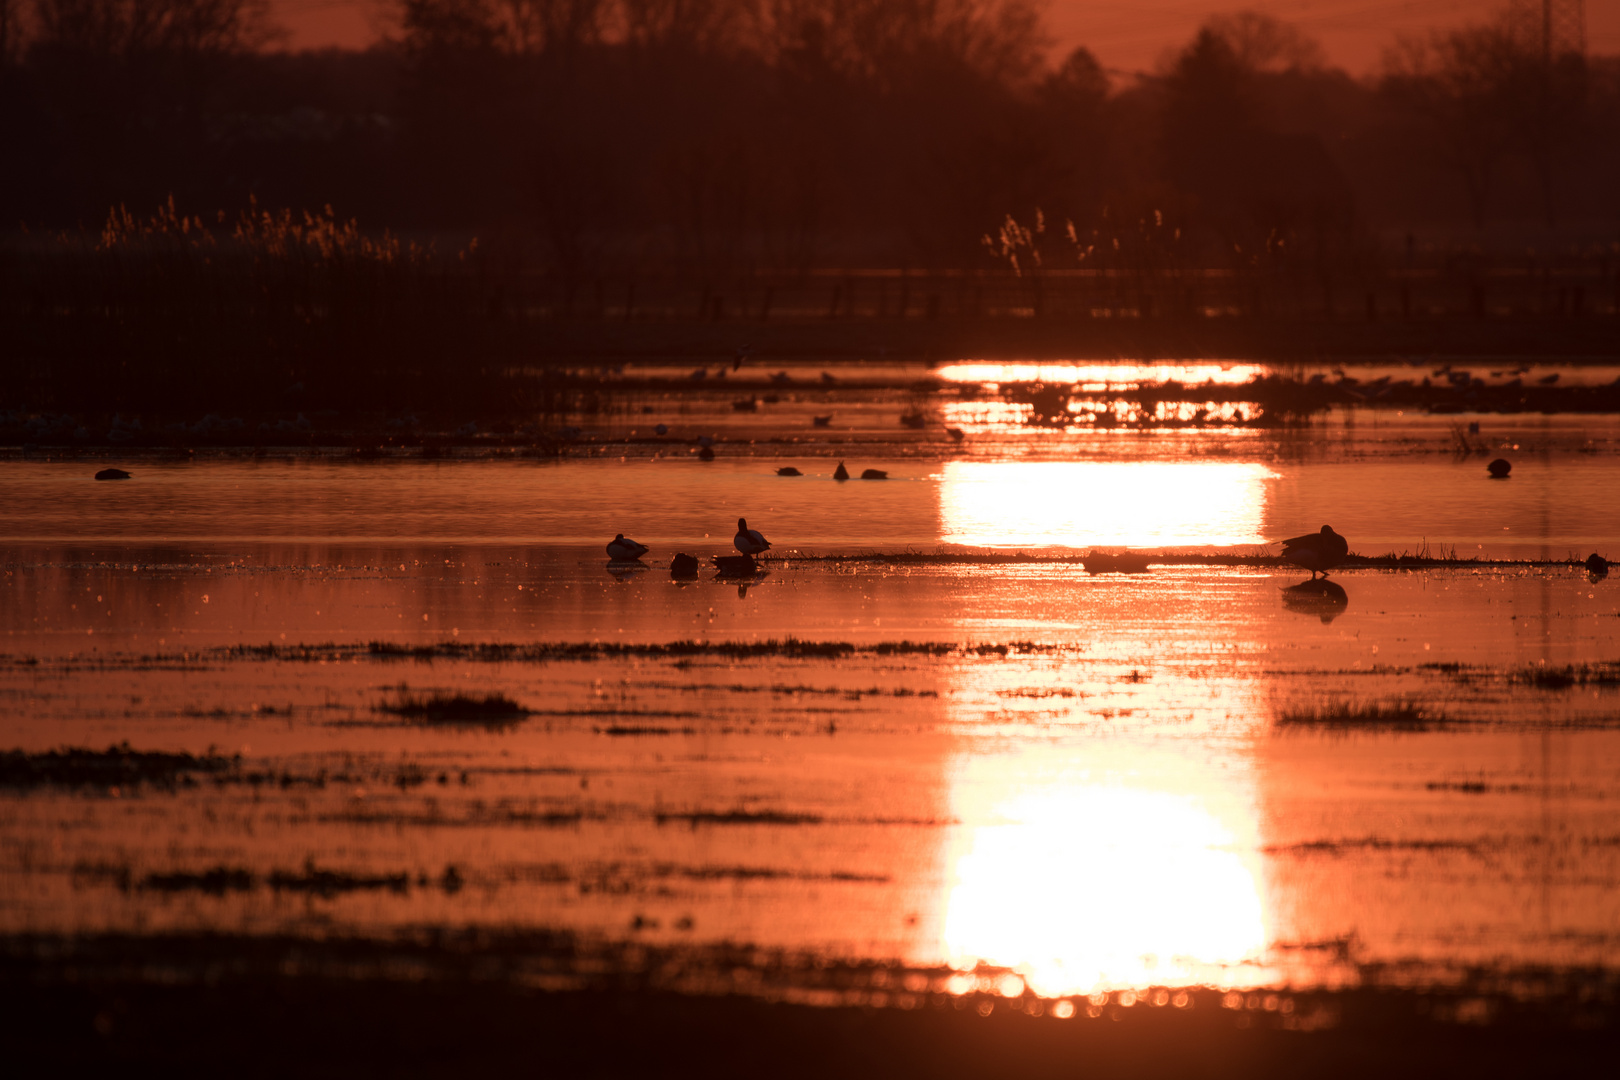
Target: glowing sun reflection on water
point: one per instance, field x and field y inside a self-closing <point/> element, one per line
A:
<point x="1091" y="503"/>
<point x="1084" y="884"/>
<point x="1096" y="377"/>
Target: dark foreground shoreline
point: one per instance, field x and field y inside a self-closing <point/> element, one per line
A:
<point x="547" y="1005"/>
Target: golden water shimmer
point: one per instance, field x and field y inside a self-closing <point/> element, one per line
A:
<point x="1024" y="778"/>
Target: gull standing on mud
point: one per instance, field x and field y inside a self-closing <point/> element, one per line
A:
<point x="621" y="549"/>
<point x="1317" y="552"/>
<point x="749" y="541"/>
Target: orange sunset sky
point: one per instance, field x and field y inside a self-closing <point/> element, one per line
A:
<point x="1127" y="35"/>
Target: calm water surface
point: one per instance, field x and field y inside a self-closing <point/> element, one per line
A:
<point x="1120" y="794"/>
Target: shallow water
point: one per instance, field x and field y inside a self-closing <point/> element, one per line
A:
<point x="1118" y="792"/>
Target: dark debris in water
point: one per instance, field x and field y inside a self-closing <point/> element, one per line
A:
<point x="311" y="880"/>
<point x="115" y="767"/>
<point x="544" y="652"/>
<point x="1540" y="676"/>
<point x="695" y="818"/>
<point x="329" y="883"/>
<point x="122" y="769"/>
<point x="215" y="881"/>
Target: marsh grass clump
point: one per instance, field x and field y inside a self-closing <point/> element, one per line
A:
<point x="115" y="767"/>
<point x="215" y="881"/>
<point x="315" y="881"/>
<point x="457" y="708"/>
<point x="1570" y="675"/>
<point x="1399" y="714"/>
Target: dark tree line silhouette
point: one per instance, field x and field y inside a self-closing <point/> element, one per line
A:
<point x="599" y="136"/>
<point x="541" y="180"/>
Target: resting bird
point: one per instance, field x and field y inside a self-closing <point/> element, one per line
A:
<point x="622" y="550"/>
<point x="749" y="541"/>
<point x="1317" y="552"/>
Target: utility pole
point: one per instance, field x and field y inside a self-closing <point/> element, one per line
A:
<point x="1549" y="28"/>
<point x="1551" y="35"/>
<point x="9" y="29"/>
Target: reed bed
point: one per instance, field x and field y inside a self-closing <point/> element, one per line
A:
<point x="1399" y="714"/>
<point x="268" y="311"/>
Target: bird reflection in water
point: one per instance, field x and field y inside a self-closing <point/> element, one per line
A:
<point x="741" y="569"/>
<point x="1318" y="596"/>
<point x="625" y="571"/>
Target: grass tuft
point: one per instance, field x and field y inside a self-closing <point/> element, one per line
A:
<point x="455" y="708"/>
<point x="1397" y="715"/>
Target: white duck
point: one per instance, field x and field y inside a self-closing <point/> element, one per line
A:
<point x="749" y="541"/>
<point x="621" y="549"/>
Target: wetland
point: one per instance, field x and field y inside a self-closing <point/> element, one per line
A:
<point x="282" y="723"/>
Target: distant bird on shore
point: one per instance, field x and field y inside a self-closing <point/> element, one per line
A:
<point x="706" y="454"/>
<point x="840" y="473"/>
<point x="622" y="549"/>
<point x="1597" y="565"/>
<point x="788" y="470"/>
<point x="749" y="541"/>
<point x="1499" y="468"/>
<point x="1317" y="552"/>
<point x="821" y="421"/>
<point x="112" y="474"/>
<point x="874" y="474"/>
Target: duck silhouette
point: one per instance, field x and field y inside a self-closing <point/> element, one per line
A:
<point x="749" y="541"/>
<point x="1317" y="552"/>
<point x="1318" y="596"/>
<point x="622" y="549"/>
<point x="840" y="473"/>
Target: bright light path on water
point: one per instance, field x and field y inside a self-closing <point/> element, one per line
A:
<point x="1096" y="886"/>
<point x="1101" y="376"/>
<point x="1102" y="504"/>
